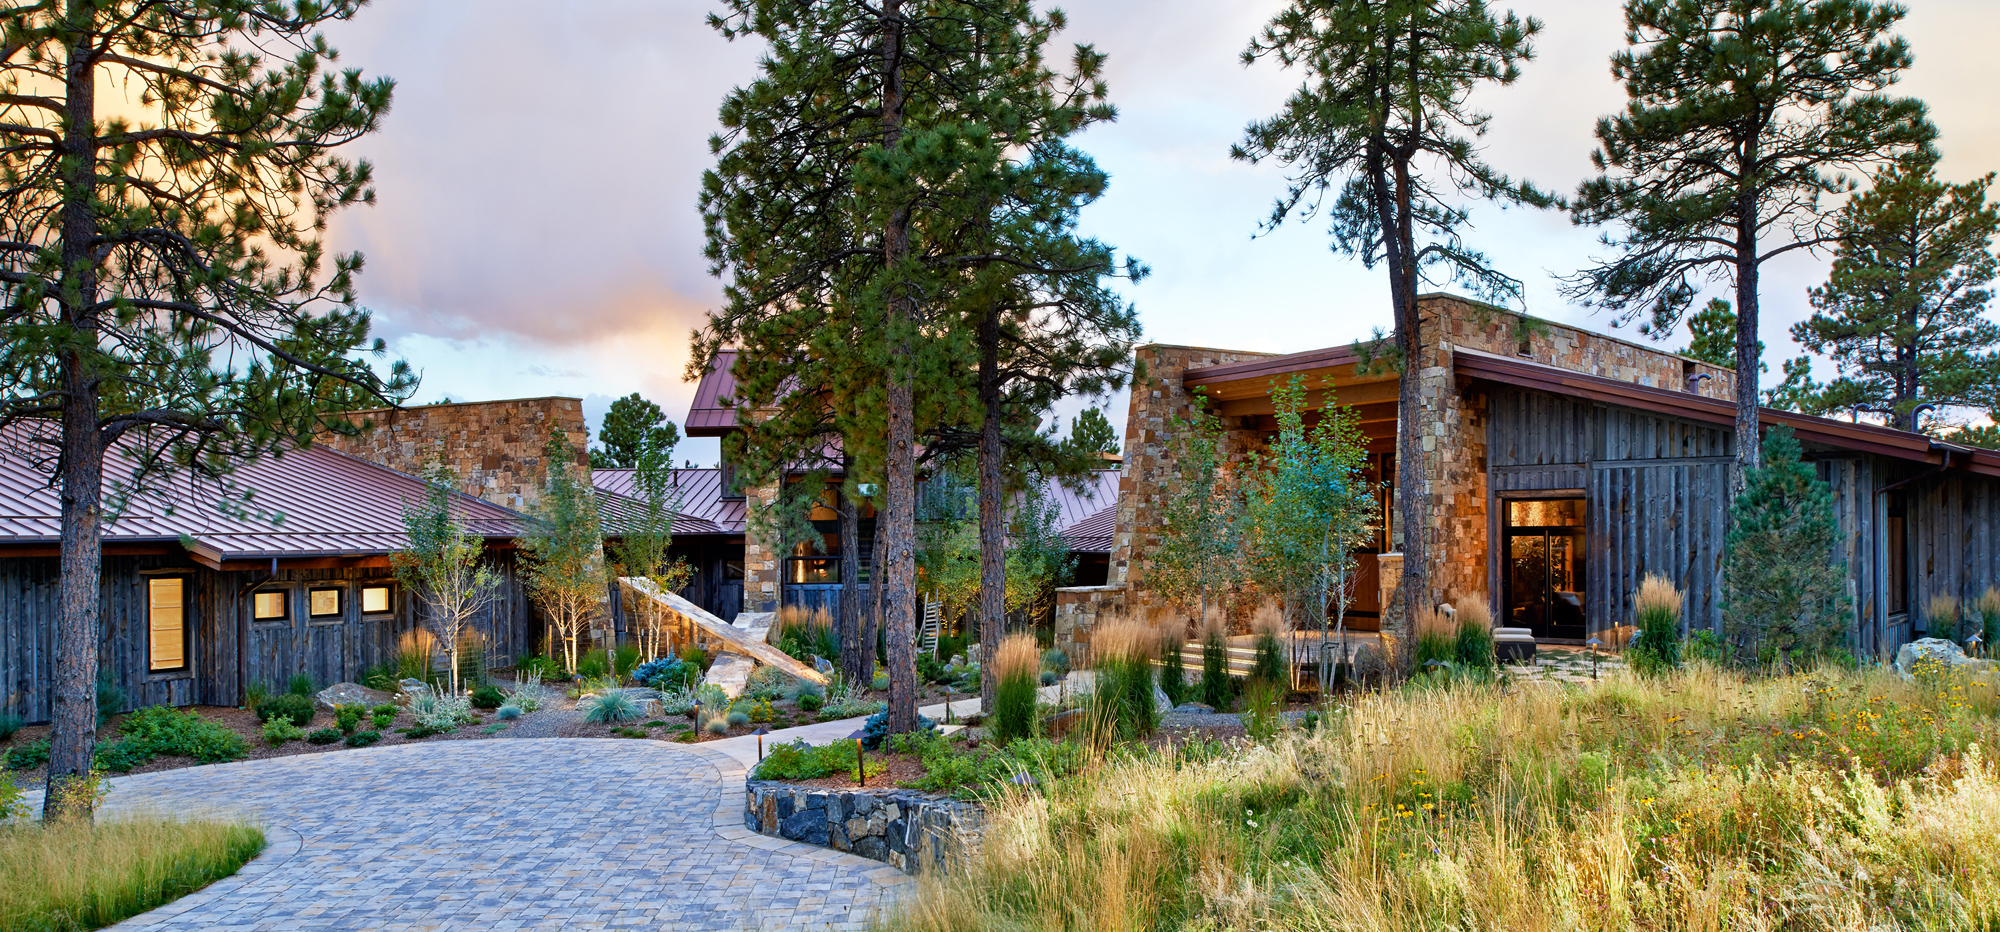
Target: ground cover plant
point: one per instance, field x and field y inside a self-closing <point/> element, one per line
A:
<point x="1689" y="798"/>
<point x="71" y="875"/>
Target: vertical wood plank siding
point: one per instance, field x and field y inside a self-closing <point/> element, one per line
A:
<point x="229" y="650"/>
<point x="1657" y="497"/>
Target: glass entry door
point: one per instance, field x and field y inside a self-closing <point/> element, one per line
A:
<point x="1545" y="567"/>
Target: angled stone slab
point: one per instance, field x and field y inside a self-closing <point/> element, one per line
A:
<point x="739" y="639"/>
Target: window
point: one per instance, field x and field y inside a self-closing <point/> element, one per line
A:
<point x="323" y="603"/>
<point x="269" y="606"/>
<point x="375" y="600"/>
<point x="166" y="621"/>
<point x="1896" y="552"/>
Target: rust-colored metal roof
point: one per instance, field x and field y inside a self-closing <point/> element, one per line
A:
<point x="1867" y="438"/>
<point x="710" y="415"/>
<point x="1089" y="518"/>
<point x="703" y="510"/>
<point x="310" y="502"/>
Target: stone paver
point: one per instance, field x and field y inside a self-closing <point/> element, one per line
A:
<point x="501" y="835"/>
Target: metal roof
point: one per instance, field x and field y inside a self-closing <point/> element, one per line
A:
<point x="309" y="502"/>
<point x="703" y="510"/>
<point x="1089" y="518"/>
<point x="709" y="415"/>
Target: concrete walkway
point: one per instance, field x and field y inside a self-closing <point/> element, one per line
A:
<point x="504" y="835"/>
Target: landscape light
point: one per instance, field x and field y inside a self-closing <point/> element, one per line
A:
<point x="860" y="765"/>
<point x="760" y="733"/>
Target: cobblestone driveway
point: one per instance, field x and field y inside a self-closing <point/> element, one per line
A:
<point x="501" y="835"/>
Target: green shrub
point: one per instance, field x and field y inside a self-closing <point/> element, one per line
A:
<point x="611" y="708"/>
<point x="969" y="773"/>
<point x="798" y="760"/>
<point x="382" y="720"/>
<point x="280" y="730"/>
<point x="175" y="733"/>
<point x="301" y="685"/>
<point x="880" y="681"/>
<point x="1173" y="671"/>
<point x="28" y="756"/>
<point x="1270" y="663"/>
<point x="325" y="736"/>
<point x="810" y="702"/>
<point x="119" y="756"/>
<point x="1215" y="670"/>
<point x="362" y="739"/>
<point x="289" y="705"/>
<point x="1474" y="648"/>
<point x="347" y="718"/>
<point x="488" y="697"/>
<point x="761" y="711"/>
<point x="9" y="724"/>
<point x="768" y="682"/>
<point x="387" y="708"/>
<point x="738" y="718"/>
<point x="697" y="658"/>
<point x="508" y="713"/>
<point x="1056" y="661"/>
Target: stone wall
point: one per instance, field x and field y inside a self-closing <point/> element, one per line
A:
<point x="1079" y="609"/>
<point x="495" y="446"/>
<point x="1474" y="325"/>
<point x="914" y="832"/>
<point x="763" y="558"/>
<point x="1142" y="484"/>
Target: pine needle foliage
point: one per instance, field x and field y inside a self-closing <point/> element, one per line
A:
<point x="1783" y="595"/>
<point x="169" y="170"/>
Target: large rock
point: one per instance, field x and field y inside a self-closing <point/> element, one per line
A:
<point x="348" y="694"/>
<point x="1937" y="650"/>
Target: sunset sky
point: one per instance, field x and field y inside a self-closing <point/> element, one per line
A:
<point x="537" y="231"/>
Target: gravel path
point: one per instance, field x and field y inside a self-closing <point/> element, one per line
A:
<point x="504" y="835"/>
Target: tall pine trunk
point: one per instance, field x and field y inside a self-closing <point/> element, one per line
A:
<point x="901" y="468"/>
<point x="992" y="517"/>
<point x="851" y="656"/>
<point x="1748" y="449"/>
<point x="73" y="731"/>
<point x="1391" y="186"/>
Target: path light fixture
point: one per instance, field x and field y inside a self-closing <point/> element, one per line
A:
<point x="760" y="733"/>
<point x="947" y="703"/>
<point x="1972" y="644"/>
<point x="860" y="765"/>
<point x="1593" y="643"/>
<point x="1434" y="664"/>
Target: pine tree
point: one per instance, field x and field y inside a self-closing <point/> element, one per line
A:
<point x="165" y="278"/>
<point x="1903" y="311"/>
<point x="1742" y="115"/>
<point x="1782" y="592"/>
<point x="1091" y="432"/>
<point x="1712" y="335"/>
<point x="630" y="424"/>
<point x="1384" y="102"/>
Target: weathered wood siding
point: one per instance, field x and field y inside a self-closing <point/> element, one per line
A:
<point x="1952" y="547"/>
<point x="229" y="650"/>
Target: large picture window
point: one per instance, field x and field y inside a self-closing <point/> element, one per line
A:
<point x="166" y="623"/>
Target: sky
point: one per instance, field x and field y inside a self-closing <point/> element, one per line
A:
<point x="536" y="230"/>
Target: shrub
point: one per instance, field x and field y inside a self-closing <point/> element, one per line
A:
<point x="1173" y="668"/>
<point x="1657" y="613"/>
<point x="301" y="684"/>
<point x="1988" y="607"/>
<point x="804" y="634"/>
<point x="1945" y="617"/>
<point x="797" y="760"/>
<point x="362" y="739"/>
<point x="1056" y="661"/>
<point x="347" y="718"/>
<point x="526" y="693"/>
<point x="436" y="714"/>
<point x="803" y="688"/>
<point x="1215" y="668"/>
<point x="325" y="736"/>
<point x="13" y="799"/>
<point x="767" y="682"/>
<point x="1474" y="649"/>
<point x="1782" y="592"/>
<point x="810" y="702"/>
<point x="666" y="673"/>
<point x="84" y="875"/>
<point x="1437" y="639"/>
<point x="488" y="697"/>
<point x="716" y="726"/>
<point x="28" y="756"/>
<point x="880" y="681"/>
<point x="9" y="724"/>
<point x="990" y="770"/>
<point x="110" y="699"/>
<point x="611" y="708"/>
<point x="1015" y="665"/>
<point x="678" y="701"/>
<point x="738" y="718"/>
<point x="697" y="658"/>
<point x="386" y="708"/>
<point x="382" y="720"/>
<point x="175" y="733"/>
<point x="254" y="696"/>
<point x="508" y="713"/>
<point x="930" y="669"/>
<point x="280" y="730"/>
<point x="877" y="727"/>
<point x="288" y="705"/>
<point x="761" y="711"/>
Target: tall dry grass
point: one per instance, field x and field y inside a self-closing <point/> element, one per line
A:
<point x="76" y="875"/>
<point x="1121" y="656"/>
<point x="1944" y="613"/>
<point x="1017" y="666"/>
<point x="1697" y="800"/>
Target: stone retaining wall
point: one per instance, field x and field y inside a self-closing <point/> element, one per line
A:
<point x="915" y="832"/>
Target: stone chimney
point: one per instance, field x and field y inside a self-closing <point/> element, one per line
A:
<point x="495" y="446"/>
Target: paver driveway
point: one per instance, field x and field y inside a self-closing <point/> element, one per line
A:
<point x="499" y="835"/>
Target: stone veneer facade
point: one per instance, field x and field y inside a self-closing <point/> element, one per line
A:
<point x="1452" y="431"/>
<point x="495" y="446"/>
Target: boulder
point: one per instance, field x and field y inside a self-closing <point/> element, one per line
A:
<point x="340" y="694"/>
<point x="1060" y="724"/>
<point x="410" y="687"/>
<point x="1940" y="651"/>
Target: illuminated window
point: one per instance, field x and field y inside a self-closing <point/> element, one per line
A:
<point x="166" y="619"/>
<point x="323" y="603"/>
<point x="269" y="606"/>
<point x="375" y="600"/>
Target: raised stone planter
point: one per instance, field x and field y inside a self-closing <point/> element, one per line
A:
<point x="915" y="832"/>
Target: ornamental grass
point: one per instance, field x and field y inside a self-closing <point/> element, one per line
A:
<point x="1017" y="669"/>
<point x="77" y="875"/>
<point x="1656" y="612"/>
<point x="1122" y="656"/>
<point x="1698" y="799"/>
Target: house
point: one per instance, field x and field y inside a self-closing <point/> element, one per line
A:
<point x="771" y="574"/>
<point x="1561" y="467"/>
<point x="199" y="603"/>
